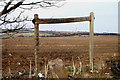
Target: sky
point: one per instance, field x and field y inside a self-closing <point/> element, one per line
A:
<point x="106" y="16"/>
<point x="105" y="12"/>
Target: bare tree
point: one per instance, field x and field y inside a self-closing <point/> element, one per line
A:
<point x="10" y="6"/>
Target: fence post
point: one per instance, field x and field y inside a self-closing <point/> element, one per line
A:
<point x="36" y="38"/>
<point x="91" y="44"/>
<point x="30" y="76"/>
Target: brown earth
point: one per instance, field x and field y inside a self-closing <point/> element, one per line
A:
<point x="21" y="49"/>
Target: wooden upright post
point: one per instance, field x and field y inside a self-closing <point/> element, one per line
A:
<point x="30" y="76"/>
<point x="91" y="44"/>
<point x="36" y="34"/>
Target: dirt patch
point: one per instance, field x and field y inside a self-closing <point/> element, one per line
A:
<point x="21" y="49"/>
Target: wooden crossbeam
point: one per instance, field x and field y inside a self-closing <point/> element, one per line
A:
<point x="60" y="20"/>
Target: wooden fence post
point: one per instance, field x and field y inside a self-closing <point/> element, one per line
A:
<point x="30" y="76"/>
<point x="91" y="44"/>
<point x="36" y="36"/>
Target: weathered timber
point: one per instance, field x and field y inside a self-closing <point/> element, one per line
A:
<point x="60" y="20"/>
<point x="36" y="33"/>
<point x="30" y="76"/>
<point x="36" y="21"/>
<point x="91" y="44"/>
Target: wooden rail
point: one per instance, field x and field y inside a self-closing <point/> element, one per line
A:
<point x="36" y="21"/>
<point x="60" y="20"/>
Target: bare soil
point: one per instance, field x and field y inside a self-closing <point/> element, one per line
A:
<point x="21" y="50"/>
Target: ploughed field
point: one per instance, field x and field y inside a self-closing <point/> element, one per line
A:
<point x="18" y="51"/>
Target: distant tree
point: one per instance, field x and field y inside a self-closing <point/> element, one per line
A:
<point x="8" y="7"/>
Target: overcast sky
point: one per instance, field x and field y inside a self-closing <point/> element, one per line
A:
<point x="106" y="16"/>
<point x="105" y="11"/>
